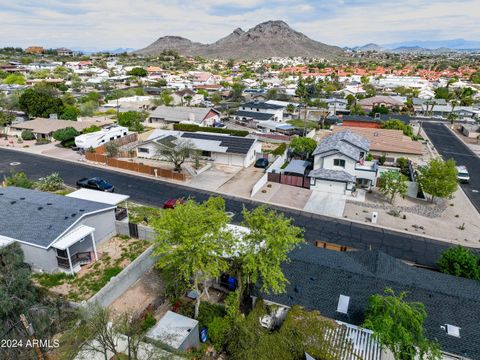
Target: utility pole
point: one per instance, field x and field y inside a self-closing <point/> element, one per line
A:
<point x="31" y="332"/>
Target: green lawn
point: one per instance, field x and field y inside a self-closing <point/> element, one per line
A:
<point x="138" y="213"/>
<point x="299" y="123"/>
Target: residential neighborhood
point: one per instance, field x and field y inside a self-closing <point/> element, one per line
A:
<point x="261" y="196"/>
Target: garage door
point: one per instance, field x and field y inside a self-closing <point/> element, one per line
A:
<point x="236" y="160"/>
<point x="330" y="186"/>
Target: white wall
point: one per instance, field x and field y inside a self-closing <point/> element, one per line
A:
<point x="349" y="163"/>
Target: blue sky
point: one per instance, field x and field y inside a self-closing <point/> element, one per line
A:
<point x="109" y="24"/>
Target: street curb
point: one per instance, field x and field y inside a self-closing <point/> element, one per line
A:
<point x="243" y="198"/>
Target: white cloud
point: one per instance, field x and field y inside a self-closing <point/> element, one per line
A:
<point x="106" y="24"/>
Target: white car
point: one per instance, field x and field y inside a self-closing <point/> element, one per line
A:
<point x="462" y="174"/>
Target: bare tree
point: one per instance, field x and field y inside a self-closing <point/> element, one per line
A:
<point x="175" y="152"/>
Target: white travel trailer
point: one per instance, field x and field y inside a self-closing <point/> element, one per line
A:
<point x="99" y="138"/>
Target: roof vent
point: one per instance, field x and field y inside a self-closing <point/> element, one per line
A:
<point x="22" y="198"/>
<point x="65" y="218"/>
<point x="40" y="208"/>
<point x="375" y="134"/>
<point x="73" y="215"/>
<point x="343" y="302"/>
<point x="81" y="210"/>
<point x="49" y="203"/>
<point x="12" y="202"/>
<point x="452" y="330"/>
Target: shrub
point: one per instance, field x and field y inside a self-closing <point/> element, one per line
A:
<point x="42" y="141"/>
<point x="218" y="330"/>
<point x="19" y="179"/>
<point x="148" y="322"/>
<point x="27" y="135"/>
<point x="195" y="128"/>
<point x="65" y="136"/>
<point x="280" y="149"/>
<point x="111" y="149"/>
<point x="52" y="182"/>
<point x="460" y="261"/>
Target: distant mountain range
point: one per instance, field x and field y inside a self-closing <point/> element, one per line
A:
<point x="111" y="51"/>
<point x="422" y="46"/>
<point x="265" y="40"/>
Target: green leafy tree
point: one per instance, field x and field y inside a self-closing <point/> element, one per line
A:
<point x="70" y="112"/>
<point x="290" y="108"/>
<point x="66" y="136"/>
<point x="237" y="91"/>
<point x="379" y="109"/>
<point x="40" y="102"/>
<point x="176" y="153"/>
<point x="192" y="240"/>
<point x="132" y="120"/>
<point x="138" y="71"/>
<point x="111" y="149"/>
<point x="262" y="250"/>
<point x="460" y="261"/>
<point x="396" y="124"/>
<point x="16" y="79"/>
<point x="216" y="98"/>
<point x="91" y="129"/>
<point x="303" y="146"/>
<point x="393" y="183"/>
<point x="399" y="326"/>
<point x="439" y="178"/>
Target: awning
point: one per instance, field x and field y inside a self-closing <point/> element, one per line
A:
<point x="99" y="196"/>
<point x="73" y="236"/>
<point x="296" y="167"/>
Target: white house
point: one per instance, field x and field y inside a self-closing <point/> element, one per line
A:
<point x="339" y="164"/>
<point x="220" y="148"/>
<point x="164" y="115"/>
<point x="261" y="111"/>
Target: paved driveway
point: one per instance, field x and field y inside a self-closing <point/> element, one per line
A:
<point x="450" y="147"/>
<point x="326" y="203"/>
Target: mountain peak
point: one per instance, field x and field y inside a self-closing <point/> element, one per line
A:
<point x="274" y="38"/>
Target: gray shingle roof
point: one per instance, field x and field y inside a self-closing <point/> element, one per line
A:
<point x="318" y="276"/>
<point x="261" y="105"/>
<point x="334" y="175"/>
<point x="37" y="217"/>
<point x="345" y="142"/>
<point x="254" y="115"/>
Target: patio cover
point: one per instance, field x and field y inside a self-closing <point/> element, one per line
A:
<point x="99" y="196"/>
<point x="73" y="236"/>
<point x="296" y="167"/>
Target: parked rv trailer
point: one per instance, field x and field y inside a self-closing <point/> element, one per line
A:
<point x="99" y="138"/>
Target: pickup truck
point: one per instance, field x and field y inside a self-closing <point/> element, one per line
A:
<point x="95" y="183"/>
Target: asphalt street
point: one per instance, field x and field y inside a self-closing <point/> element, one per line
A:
<point x="451" y="147"/>
<point x="408" y="247"/>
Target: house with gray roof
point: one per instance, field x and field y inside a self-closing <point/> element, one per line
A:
<point x="260" y="111"/>
<point x="339" y="164"/>
<point x="221" y="149"/>
<point x="339" y="284"/>
<point x="164" y="115"/>
<point x="55" y="232"/>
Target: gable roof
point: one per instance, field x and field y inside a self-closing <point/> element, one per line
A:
<point x="39" y="218"/>
<point x="181" y="113"/>
<point x="318" y="276"/>
<point x="380" y="99"/>
<point x="254" y="115"/>
<point x="345" y="142"/>
<point x="385" y="140"/>
<point x="206" y="142"/>
<point x="262" y="105"/>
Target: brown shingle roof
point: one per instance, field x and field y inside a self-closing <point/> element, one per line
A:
<point x="386" y="140"/>
<point x="47" y="126"/>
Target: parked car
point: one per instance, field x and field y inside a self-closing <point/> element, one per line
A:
<point x="462" y="174"/>
<point x="95" y="183"/>
<point x="261" y="163"/>
<point x="171" y="203"/>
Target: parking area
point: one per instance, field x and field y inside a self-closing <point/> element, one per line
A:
<point x="285" y="195"/>
<point x="242" y="182"/>
<point x="214" y="177"/>
<point x="326" y="203"/>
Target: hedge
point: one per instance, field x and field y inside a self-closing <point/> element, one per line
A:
<point x="195" y="128"/>
<point x="280" y="149"/>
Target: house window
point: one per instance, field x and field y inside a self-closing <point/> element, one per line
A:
<point x="62" y="253"/>
<point x="339" y="162"/>
<point x="143" y="150"/>
<point x="207" y="153"/>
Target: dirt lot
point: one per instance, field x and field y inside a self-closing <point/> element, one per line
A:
<point x="242" y="183"/>
<point x="144" y="292"/>
<point x="454" y="220"/>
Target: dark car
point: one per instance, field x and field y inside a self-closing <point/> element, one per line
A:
<point x="95" y="183"/>
<point x="171" y="203"/>
<point x="261" y="163"/>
